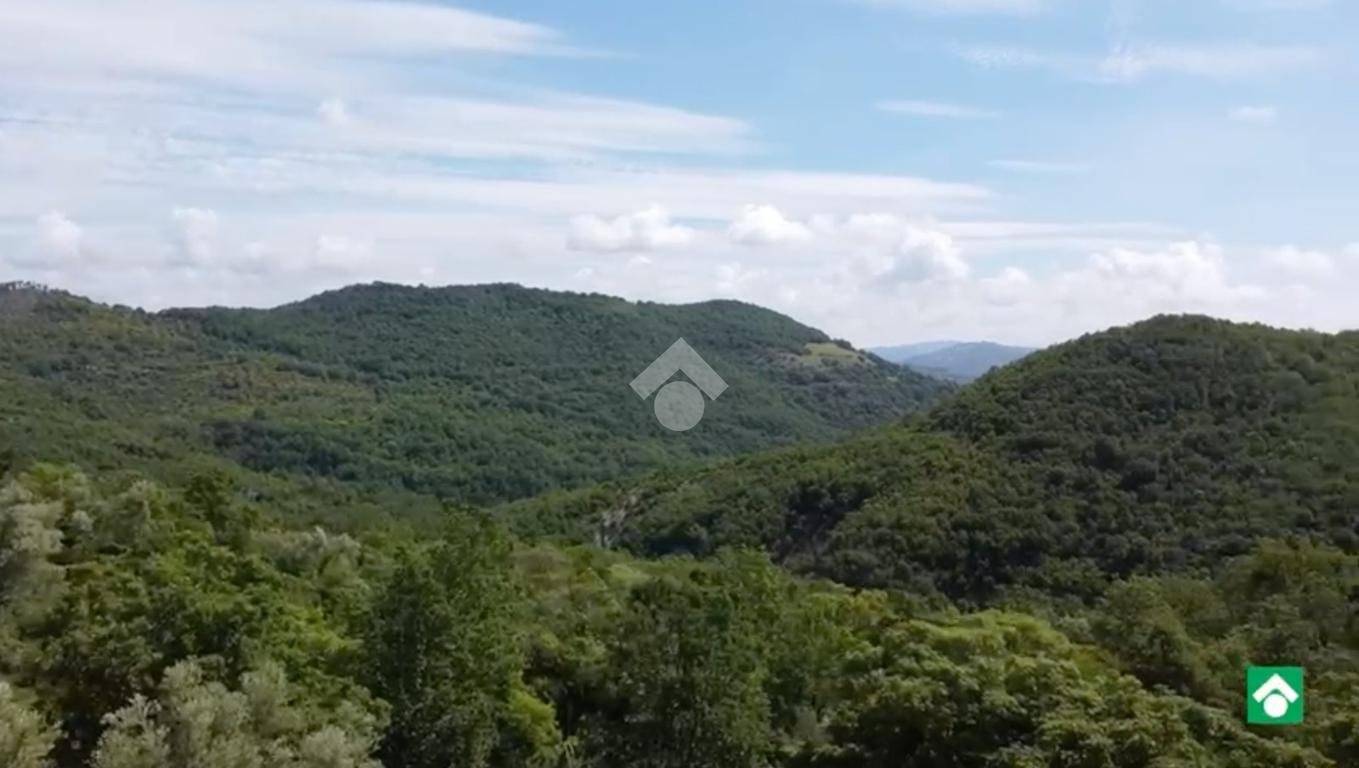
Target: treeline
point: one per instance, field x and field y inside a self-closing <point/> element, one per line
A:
<point x="142" y="627"/>
<point x="405" y="396"/>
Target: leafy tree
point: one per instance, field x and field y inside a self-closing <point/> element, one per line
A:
<point x="687" y="678"/>
<point x="25" y="738"/>
<point x="443" y="650"/>
<point x="197" y="723"/>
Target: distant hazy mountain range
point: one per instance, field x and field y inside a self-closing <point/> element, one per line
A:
<point x="954" y="360"/>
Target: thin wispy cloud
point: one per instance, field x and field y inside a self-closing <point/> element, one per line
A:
<point x="249" y="43"/>
<point x="1223" y="61"/>
<point x="936" y="109"/>
<point x="1132" y="63"/>
<point x="159" y="152"/>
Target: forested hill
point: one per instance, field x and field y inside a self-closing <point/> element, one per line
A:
<point x="1082" y="554"/>
<point x="1168" y="446"/>
<point x="473" y="394"/>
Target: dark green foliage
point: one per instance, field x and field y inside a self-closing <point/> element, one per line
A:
<point x="1083" y="551"/>
<point x="397" y="394"/>
<point x="1165" y="447"/>
<point x="161" y="643"/>
<point x="443" y="649"/>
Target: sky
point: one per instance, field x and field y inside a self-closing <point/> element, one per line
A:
<point x="889" y="171"/>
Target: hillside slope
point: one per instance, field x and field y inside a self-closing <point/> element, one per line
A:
<point x="1163" y="447"/>
<point x="473" y="394"/>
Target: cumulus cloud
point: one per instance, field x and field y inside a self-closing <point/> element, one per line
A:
<point x="1010" y="286"/>
<point x="1188" y="274"/>
<point x="732" y="277"/>
<point x="1300" y="262"/>
<point x="60" y="240"/>
<point x="195" y="236"/>
<point x="892" y="251"/>
<point x="646" y="230"/>
<point x="766" y="225"/>
<point x="341" y="253"/>
<point x="924" y="254"/>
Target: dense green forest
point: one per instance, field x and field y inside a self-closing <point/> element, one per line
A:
<point x="1168" y="446"/>
<point x="1067" y="564"/>
<point x="384" y="396"/>
<point x="145" y="627"/>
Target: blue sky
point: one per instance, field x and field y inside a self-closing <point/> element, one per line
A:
<point x="889" y="170"/>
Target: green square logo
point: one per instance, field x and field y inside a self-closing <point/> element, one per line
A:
<point x="1274" y="695"/>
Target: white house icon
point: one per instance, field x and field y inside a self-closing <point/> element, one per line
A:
<point x="1275" y="696"/>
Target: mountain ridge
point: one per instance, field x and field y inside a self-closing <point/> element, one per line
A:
<point x="959" y="361"/>
<point x="468" y="393"/>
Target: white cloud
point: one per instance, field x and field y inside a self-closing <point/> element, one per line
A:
<point x="1300" y="262"/>
<point x="891" y="251"/>
<point x="1010" y="286"/>
<point x="766" y="225"/>
<point x="60" y="240"/>
<point x="1258" y="115"/>
<point x="937" y="109"/>
<point x="341" y="253"/>
<point x="1190" y="275"/>
<point x="1131" y="63"/>
<point x="646" y="230"/>
<point x="927" y="255"/>
<point x="195" y="236"/>
<point x="319" y="151"/>
<point x="248" y="42"/>
<point x="732" y="277"/>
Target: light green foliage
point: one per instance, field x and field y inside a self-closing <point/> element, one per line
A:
<point x="187" y="649"/>
<point x="25" y="738"/>
<point x="998" y="689"/>
<point x="444" y="650"/>
<point x="196" y="723"/>
<point x="31" y="535"/>
<point x="1067" y="566"/>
